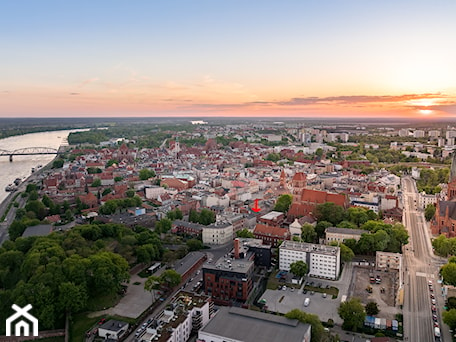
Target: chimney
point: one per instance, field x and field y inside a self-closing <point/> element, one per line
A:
<point x="236" y="248"/>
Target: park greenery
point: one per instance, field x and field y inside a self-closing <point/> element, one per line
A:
<point x="66" y="272"/>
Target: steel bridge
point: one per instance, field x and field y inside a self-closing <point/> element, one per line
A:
<point x="28" y="151"/>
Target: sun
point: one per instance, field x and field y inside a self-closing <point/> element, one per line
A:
<point x="422" y="102"/>
<point x="426" y="111"/>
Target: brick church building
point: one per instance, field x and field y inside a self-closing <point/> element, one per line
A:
<point x="444" y="221"/>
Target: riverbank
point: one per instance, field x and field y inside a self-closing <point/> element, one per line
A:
<point x="7" y="208"/>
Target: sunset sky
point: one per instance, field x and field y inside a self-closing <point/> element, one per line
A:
<point x="228" y="58"/>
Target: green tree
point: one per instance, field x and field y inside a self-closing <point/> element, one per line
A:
<point x="193" y="216"/>
<point x="194" y="245"/>
<point x="429" y="211"/>
<point x="330" y="212"/>
<point x="171" y="278"/>
<point x="448" y="273"/>
<point x="36" y="207"/>
<point x="308" y="233"/>
<point x="451" y="303"/>
<point x="372" y="309"/>
<point x="72" y="298"/>
<point x="346" y="253"/>
<point x="321" y="227"/>
<point x="449" y="318"/>
<point x="353" y="314"/>
<point x="283" y="203"/>
<point x="145" y="174"/>
<point x="244" y="233"/>
<point x="299" y="268"/>
<point x="96" y="182"/>
<point x="318" y="331"/>
<point x="347" y="224"/>
<point x="206" y="217"/>
<point x="58" y="163"/>
<point x="130" y="193"/>
<point x="152" y="284"/>
<point x="163" y="226"/>
<point x="357" y="215"/>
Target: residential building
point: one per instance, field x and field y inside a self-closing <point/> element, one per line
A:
<point x="271" y="235"/>
<point x="229" y="280"/>
<point x="424" y="200"/>
<point x="187" y="313"/>
<point x="323" y="261"/>
<point x="152" y="192"/>
<point x="184" y="227"/>
<point x="218" y="233"/>
<point x="273" y="218"/>
<point x="237" y="324"/>
<point x="341" y="234"/>
<point x="113" y="329"/>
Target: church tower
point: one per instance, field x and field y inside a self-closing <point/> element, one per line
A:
<point x="283" y="179"/>
<point x="452" y="181"/>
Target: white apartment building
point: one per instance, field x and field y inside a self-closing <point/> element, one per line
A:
<point x="189" y="312"/>
<point x="418" y="134"/>
<point x="152" y="192"/>
<point x="434" y="133"/>
<point x="323" y="261"/>
<point x="218" y="233"/>
<point x="425" y="199"/>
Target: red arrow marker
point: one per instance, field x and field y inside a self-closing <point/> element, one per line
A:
<point x="255" y="207"/>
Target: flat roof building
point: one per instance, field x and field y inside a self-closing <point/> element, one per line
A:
<point x="323" y="261"/>
<point x="237" y="324"/>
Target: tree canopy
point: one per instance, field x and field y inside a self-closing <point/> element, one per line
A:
<point x="299" y="268"/>
<point x="318" y="331"/>
<point x="283" y="203"/>
<point x="353" y="314"/>
<point x="64" y="272"/>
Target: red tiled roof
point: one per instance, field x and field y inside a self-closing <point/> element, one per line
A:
<point x="264" y="229"/>
<point x="299" y="176"/>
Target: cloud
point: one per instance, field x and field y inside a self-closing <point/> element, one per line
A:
<point x="355" y="99"/>
<point x="88" y="81"/>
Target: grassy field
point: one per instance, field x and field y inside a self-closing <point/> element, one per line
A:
<point x="80" y="324"/>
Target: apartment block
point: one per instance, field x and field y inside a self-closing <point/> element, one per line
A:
<point x="323" y="261"/>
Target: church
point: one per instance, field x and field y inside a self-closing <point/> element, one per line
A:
<point x="444" y="221"/>
<point x="306" y="200"/>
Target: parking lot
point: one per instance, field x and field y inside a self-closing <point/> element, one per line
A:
<point x="284" y="301"/>
<point x="326" y="308"/>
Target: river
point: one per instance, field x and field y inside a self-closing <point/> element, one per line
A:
<point x="21" y="166"/>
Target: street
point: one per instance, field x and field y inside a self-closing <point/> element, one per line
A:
<point x="421" y="269"/>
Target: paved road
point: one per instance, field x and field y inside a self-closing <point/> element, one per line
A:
<point x="421" y="267"/>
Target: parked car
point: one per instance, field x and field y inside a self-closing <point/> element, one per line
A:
<point x="324" y="295"/>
